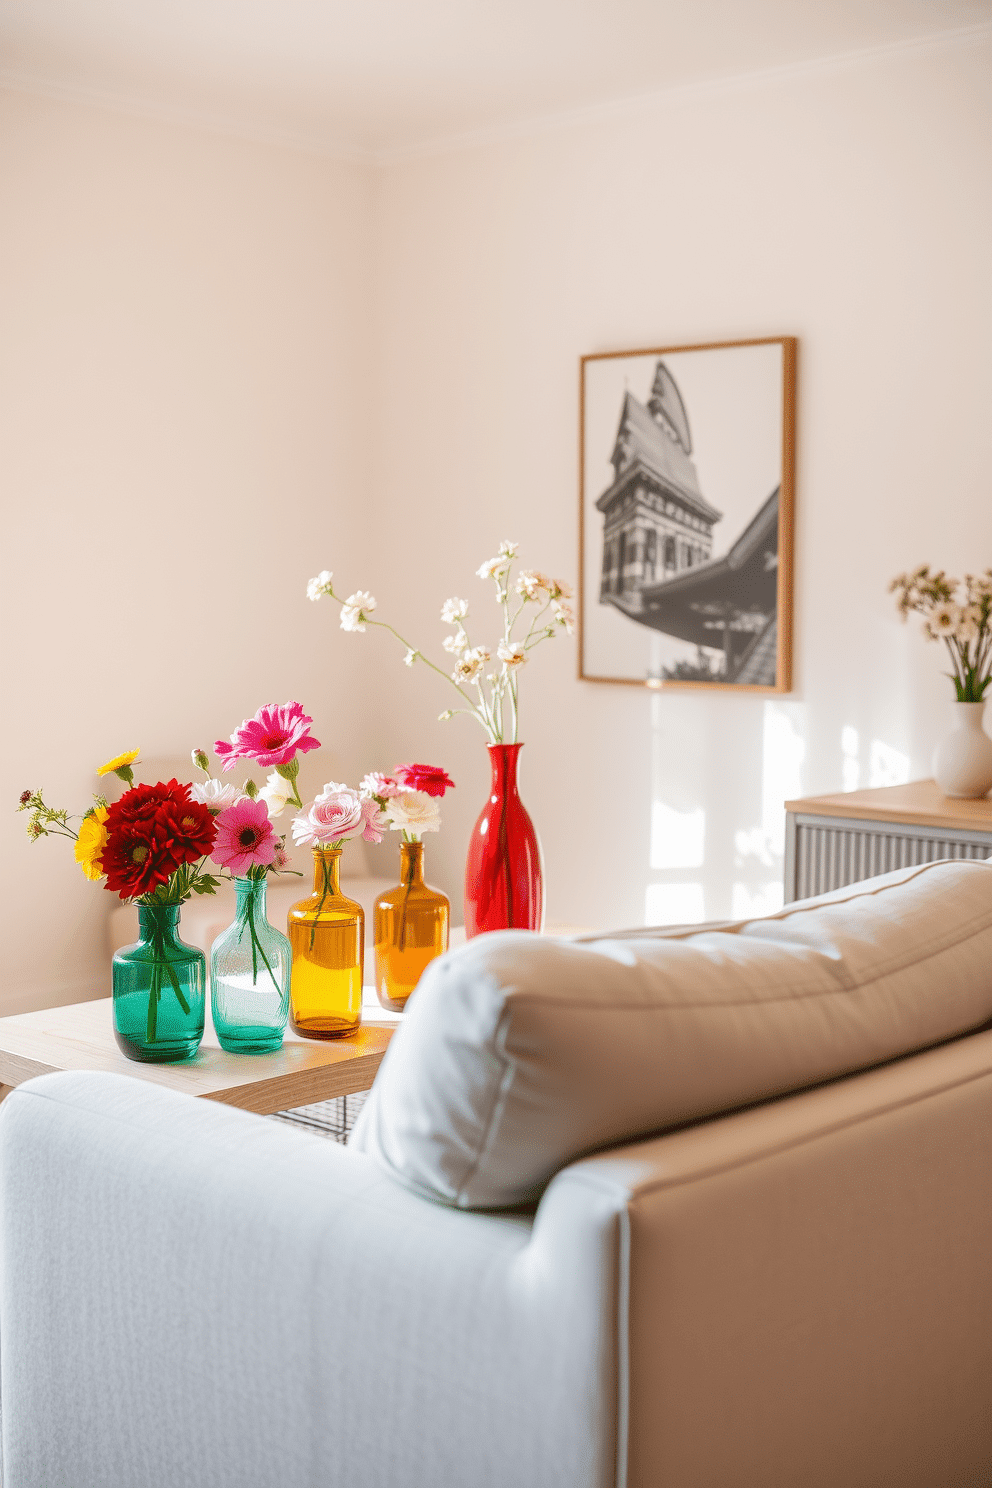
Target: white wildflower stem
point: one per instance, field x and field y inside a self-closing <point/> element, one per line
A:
<point x="384" y="625"/>
<point x="489" y="716"/>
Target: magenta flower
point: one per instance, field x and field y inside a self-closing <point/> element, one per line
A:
<point x="245" y="838"/>
<point x="273" y="737"/>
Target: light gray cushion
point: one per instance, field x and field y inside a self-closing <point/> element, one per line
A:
<point x="520" y="1053"/>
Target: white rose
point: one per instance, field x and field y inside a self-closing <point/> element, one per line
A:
<point x="414" y="812"/>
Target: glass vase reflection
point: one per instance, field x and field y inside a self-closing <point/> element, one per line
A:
<point x="327" y="934"/>
<point x="159" y="987"/>
<point x="249" y="976"/>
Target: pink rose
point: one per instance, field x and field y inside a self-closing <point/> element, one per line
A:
<point x="335" y="816"/>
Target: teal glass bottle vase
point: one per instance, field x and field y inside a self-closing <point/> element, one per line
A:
<point x="159" y="986"/>
<point x="249" y="976"/>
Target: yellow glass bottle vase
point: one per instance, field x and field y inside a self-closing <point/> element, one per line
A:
<point x="327" y="934"/>
<point x="410" y="925"/>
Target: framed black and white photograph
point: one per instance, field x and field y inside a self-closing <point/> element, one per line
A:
<point x="686" y="507"/>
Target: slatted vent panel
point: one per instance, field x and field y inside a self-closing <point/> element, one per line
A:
<point x="832" y="857"/>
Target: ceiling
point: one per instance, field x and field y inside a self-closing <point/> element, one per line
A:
<point x="380" y="77"/>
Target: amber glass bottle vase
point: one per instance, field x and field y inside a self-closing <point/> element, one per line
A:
<point x="327" y="934"/>
<point x="411" y="929"/>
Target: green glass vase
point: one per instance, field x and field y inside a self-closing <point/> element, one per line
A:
<point x="159" y="990"/>
<point x="249" y="976"/>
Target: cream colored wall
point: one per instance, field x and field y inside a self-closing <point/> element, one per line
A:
<point x="225" y="366"/>
<point x="848" y="207"/>
<point x="182" y="389"/>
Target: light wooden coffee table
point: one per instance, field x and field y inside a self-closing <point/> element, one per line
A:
<point x="301" y="1073"/>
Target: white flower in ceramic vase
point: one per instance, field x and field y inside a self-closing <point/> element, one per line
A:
<point x="943" y="620"/>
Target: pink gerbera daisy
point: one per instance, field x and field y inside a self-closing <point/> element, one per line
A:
<point x="273" y="737"/>
<point x="245" y="838"/>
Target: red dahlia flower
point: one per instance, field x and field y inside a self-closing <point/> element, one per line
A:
<point x="151" y="831"/>
<point x="430" y="779"/>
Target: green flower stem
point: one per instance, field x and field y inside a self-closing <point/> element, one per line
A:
<point x="325" y="868"/>
<point x="248" y="919"/>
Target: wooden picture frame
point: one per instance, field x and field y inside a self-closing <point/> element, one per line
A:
<point x="686" y="511"/>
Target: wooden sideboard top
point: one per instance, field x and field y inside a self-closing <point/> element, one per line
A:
<point x="921" y="803"/>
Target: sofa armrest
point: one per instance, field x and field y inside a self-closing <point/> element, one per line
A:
<point x="805" y="1284"/>
<point x="193" y="1295"/>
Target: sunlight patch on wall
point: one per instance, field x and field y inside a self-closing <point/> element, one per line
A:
<point x="674" y="904"/>
<point x="784" y="750"/>
<point x="752" y="900"/>
<point x="676" y="837"/>
<point x="850" y="749"/>
<point x="887" y="766"/>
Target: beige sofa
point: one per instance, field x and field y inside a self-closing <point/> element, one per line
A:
<point x="703" y="1211"/>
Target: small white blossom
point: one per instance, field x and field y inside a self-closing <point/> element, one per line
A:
<point x="455" y="643"/>
<point x="563" y="615"/>
<point x="471" y="664"/>
<point x="534" y="585"/>
<point x="276" y="793"/>
<point x="448" y="713"/>
<point x="356" y="610"/>
<point x="943" y="620"/>
<point x="320" y="585"/>
<point x="560" y="590"/>
<point x="410" y="657"/>
<point x="493" y="566"/>
<point x="508" y="549"/>
<point x="511" y="653"/>
<point x="454" y="610"/>
<point x="216" y="795"/>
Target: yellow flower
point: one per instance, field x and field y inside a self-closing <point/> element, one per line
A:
<point x="90" y="843"/>
<point x="119" y="762"/>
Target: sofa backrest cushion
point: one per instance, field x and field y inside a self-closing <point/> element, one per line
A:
<point x="520" y="1053"/>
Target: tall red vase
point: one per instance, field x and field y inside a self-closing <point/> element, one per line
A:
<point x="504" y="874"/>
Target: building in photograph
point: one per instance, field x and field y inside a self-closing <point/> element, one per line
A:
<point x="657" y="523"/>
<point x="658" y="565"/>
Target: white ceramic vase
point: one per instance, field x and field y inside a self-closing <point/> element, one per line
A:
<point x="962" y="761"/>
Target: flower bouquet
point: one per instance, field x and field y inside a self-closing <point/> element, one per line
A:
<point x="151" y="847"/>
<point x="960" y="615"/>
<point x="504" y="884"/>
<point x="250" y="1014"/>
<point x="411" y="921"/>
<point x="327" y="930"/>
